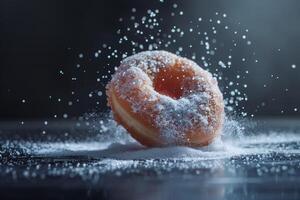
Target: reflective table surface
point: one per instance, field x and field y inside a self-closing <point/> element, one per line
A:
<point x="71" y="160"/>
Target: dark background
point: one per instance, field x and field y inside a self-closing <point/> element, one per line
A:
<point x="40" y="38"/>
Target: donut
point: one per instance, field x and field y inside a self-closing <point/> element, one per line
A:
<point x="163" y="99"/>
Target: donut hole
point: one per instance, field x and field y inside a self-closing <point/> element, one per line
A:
<point x="169" y="81"/>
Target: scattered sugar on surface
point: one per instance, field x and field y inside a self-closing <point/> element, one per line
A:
<point x="102" y="155"/>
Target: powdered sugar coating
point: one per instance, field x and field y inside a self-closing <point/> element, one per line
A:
<point x="200" y="107"/>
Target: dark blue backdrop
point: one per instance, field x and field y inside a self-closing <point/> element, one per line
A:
<point x="38" y="38"/>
